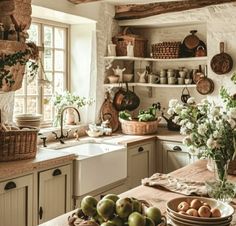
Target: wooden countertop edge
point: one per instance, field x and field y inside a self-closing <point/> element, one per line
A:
<point x="25" y="167"/>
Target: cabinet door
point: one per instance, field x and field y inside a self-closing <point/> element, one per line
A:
<point x="55" y="194"/>
<point x="140" y="163"/>
<point x="175" y="156"/>
<point x="16" y="202"/>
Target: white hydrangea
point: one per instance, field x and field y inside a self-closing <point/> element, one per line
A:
<point x="170" y="111"/>
<point x="202" y="129"/>
<point x="178" y="108"/>
<point x="183" y="130"/>
<point x="210" y="143"/>
<point x="190" y="125"/>
<point x="216" y="134"/>
<point x="176" y="119"/>
<point x="191" y="100"/>
<point x="215" y="111"/>
<point x="232" y="113"/>
<point x="173" y="103"/>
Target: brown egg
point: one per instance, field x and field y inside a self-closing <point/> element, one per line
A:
<point x="183" y="206"/>
<point x="195" y="204"/>
<point x="204" y="211"/>
<point x="215" y="212"/>
<point x="206" y="204"/>
<point x="182" y="212"/>
<point x="192" y="212"/>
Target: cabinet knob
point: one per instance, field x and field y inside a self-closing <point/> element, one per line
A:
<point x="140" y="149"/>
<point x="10" y="185"/>
<point x="177" y="148"/>
<point x="40" y="212"/>
<point x="56" y="172"/>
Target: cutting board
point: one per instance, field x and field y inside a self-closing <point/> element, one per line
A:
<point x="109" y="112"/>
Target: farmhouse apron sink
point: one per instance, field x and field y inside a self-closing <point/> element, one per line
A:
<point x="97" y="165"/>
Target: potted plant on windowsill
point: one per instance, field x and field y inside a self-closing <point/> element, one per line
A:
<point x="66" y="99"/>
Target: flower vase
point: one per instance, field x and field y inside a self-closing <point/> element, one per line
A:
<point x="70" y="117"/>
<point x="220" y="188"/>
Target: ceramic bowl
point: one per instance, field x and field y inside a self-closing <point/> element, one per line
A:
<point x="127" y="77"/>
<point x="93" y="133"/>
<point x="226" y="210"/>
<point x="113" y="78"/>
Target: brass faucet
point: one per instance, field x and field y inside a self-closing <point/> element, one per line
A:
<point x="62" y="136"/>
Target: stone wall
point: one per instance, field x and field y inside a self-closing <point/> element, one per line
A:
<point x="215" y="24"/>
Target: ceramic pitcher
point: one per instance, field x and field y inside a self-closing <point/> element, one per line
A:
<point x="118" y="71"/>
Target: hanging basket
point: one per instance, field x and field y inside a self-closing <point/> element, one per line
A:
<point x="18" y="70"/>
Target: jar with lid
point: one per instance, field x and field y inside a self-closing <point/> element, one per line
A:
<point x="12" y="34"/>
<point x="1" y="31"/>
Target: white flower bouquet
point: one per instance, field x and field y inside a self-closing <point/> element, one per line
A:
<point x="210" y="133"/>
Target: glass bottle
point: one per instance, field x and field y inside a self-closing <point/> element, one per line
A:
<point x="1" y="31"/>
<point x="12" y="34"/>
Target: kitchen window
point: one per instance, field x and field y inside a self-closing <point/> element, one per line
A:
<point x="34" y="97"/>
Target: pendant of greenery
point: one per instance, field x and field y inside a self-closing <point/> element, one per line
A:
<point x="11" y="60"/>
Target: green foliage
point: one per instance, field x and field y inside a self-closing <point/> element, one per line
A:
<point x="124" y="115"/>
<point x="8" y="61"/>
<point x="147" y="115"/>
<point x="233" y="78"/>
<point x="229" y="100"/>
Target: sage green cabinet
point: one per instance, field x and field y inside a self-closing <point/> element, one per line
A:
<point x="16" y="202"/>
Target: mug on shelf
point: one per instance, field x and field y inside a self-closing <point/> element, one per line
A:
<point x="163" y="80"/>
<point x="172" y="80"/>
<point x="181" y="81"/>
<point x="154" y="79"/>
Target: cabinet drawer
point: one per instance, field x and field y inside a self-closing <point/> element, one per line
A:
<point x="175" y="147"/>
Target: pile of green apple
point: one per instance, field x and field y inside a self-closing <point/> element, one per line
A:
<point x="114" y="211"/>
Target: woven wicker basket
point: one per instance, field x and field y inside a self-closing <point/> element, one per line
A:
<point x="18" y="144"/>
<point x="135" y="127"/>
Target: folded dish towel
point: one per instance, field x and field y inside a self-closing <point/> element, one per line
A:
<point x="177" y="185"/>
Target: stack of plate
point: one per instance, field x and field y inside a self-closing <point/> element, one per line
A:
<point x="32" y="120"/>
<point x="177" y="219"/>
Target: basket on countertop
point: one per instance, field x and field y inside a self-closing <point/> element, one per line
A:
<point x="17" y="143"/>
<point x="166" y="50"/>
<point x="135" y="127"/>
<point x="122" y="40"/>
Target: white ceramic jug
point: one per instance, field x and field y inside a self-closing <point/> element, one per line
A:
<point x="111" y="49"/>
<point x="130" y="50"/>
<point x="142" y="76"/>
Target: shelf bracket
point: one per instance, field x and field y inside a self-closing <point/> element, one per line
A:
<point x="149" y="91"/>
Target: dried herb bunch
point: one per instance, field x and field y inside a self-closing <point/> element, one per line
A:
<point x="7" y="62"/>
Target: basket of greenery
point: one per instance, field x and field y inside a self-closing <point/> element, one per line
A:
<point x="145" y="123"/>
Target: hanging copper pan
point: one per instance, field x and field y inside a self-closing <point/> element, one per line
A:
<point x="222" y="63"/>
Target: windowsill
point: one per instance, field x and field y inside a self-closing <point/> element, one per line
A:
<point x="51" y="137"/>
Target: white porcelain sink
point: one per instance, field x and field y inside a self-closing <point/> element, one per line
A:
<point x="91" y="149"/>
<point x="97" y="165"/>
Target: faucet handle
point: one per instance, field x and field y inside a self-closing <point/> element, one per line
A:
<point x="44" y="139"/>
<point x="67" y="133"/>
<point x="56" y="136"/>
<point x="76" y="134"/>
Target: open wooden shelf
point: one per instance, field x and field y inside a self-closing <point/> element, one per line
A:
<point x="113" y="85"/>
<point x="190" y="59"/>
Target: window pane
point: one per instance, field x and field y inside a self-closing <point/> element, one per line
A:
<point x="58" y="82"/>
<point x="47" y="109"/>
<point x="34" y="33"/>
<point x="48" y="89"/>
<point x="59" y="60"/>
<point x="19" y="105"/>
<point x="48" y="60"/>
<point x="32" y="86"/>
<point x="59" y="38"/>
<point x="48" y="36"/>
<point x="31" y="105"/>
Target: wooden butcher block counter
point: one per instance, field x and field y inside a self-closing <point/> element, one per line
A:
<point x="196" y="171"/>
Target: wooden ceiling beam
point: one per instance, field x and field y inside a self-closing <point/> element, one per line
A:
<point x="137" y="11"/>
<point x="82" y="1"/>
